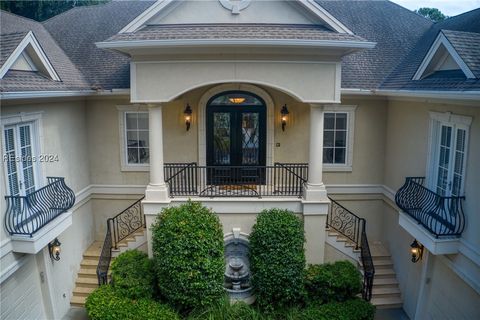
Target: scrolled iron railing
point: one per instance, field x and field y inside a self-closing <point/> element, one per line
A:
<point x="281" y="179"/>
<point x="119" y="227"/>
<point x="25" y="215"/>
<point x="353" y="228"/>
<point x="441" y="216"/>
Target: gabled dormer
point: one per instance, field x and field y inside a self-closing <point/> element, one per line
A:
<point x="29" y="56"/>
<point x="443" y="59"/>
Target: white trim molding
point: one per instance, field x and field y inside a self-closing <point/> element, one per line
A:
<point x="37" y="50"/>
<point x="440" y="41"/>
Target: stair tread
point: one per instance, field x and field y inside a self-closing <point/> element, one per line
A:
<point x="384" y="271"/>
<point x="386" y="301"/>
<point x="78" y="299"/>
<point x="86" y="280"/>
<point x="80" y="289"/>
<point x="384" y="281"/>
<point x="386" y="290"/>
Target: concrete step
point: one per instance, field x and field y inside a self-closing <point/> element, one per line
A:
<point x="384" y="282"/>
<point x="386" y="292"/>
<point x="89" y="282"/>
<point x="82" y="291"/>
<point x="387" y="303"/>
<point x="78" y="301"/>
<point x="381" y="273"/>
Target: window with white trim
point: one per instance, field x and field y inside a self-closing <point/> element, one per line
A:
<point x="136" y="138"/>
<point x="338" y="137"/>
<point x="448" y="153"/>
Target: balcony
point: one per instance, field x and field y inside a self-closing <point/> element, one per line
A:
<point x="442" y="219"/>
<point x="31" y="219"/>
<point x="279" y="180"/>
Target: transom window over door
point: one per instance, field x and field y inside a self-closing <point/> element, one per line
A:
<point x="448" y="152"/>
<point x="19" y="152"/>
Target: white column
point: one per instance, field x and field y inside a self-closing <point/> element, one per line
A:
<point x="157" y="189"/>
<point x="315" y="189"/>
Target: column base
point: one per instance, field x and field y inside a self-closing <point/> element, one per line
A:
<point x="157" y="193"/>
<point x="315" y="192"/>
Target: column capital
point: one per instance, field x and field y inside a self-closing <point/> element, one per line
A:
<point x="153" y="105"/>
<point x="317" y="105"/>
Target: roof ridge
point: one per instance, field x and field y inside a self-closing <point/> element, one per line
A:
<point x="92" y="6"/>
<point x="411" y="11"/>
<point x="19" y="16"/>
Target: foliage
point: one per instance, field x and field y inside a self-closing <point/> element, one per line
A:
<point x="106" y="304"/>
<point x="222" y="309"/>
<point x="431" y="13"/>
<point x="354" y="309"/>
<point x="332" y="282"/>
<point x="41" y="10"/>
<point x="133" y="275"/>
<point x="188" y="255"/>
<point x="277" y="258"/>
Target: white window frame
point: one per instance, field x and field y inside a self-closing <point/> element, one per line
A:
<point x="122" y="111"/>
<point x="350" y="111"/>
<point x="456" y="122"/>
<point x="35" y="119"/>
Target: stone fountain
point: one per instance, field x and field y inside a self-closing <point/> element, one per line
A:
<point x="237" y="267"/>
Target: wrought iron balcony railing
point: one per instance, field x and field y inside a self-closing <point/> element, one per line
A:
<point x="441" y="216"/>
<point x="25" y="215"/>
<point x="281" y="179"/>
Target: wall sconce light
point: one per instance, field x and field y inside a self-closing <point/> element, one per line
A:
<point x="416" y="250"/>
<point x="54" y="249"/>
<point x="188" y="116"/>
<point x="284" y="113"/>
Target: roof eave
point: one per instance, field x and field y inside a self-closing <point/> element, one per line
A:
<point x="331" y="44"/>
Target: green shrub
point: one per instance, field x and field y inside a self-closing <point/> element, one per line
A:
<point x="105" y="304"/>
<point x="277" y="258"/>
<point x="332" y="282"/>
<point x="188" y="255"/>
<point x="222" y="309"/>
<point x="133" y="275"/>
<point x="355" y="309"/>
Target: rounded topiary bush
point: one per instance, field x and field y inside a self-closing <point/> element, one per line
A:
<point x="331" y="282"/>
<point x="277" y="258"/>
<point x="105" y="303"/>
<point x="133" y="275"/>
<point x="188" y="255"/>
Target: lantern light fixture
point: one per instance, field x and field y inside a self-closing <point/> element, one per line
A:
<point x="236" y="100"/>
<point x="54" y="249"/>
<point x="188" y="116"/>
<point x="284" y="112"/>
<point x="417" y="251"/>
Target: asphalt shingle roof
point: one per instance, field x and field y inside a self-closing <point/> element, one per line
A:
<point x="234" y="31"/>
<point x="401" y="77"/>
<point x="71" y="78"/>
<point x="77" y="30"/>
<point x="467" y="45"/>
<point x="9" y="43"/>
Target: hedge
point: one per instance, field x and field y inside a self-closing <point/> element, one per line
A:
<point x="332" y="282"/>
<point x="106" y="304"/>
<point x="224" y="310"/>
<point x="277" y="259"/>
<point x="133" y="275"/>
<point x="188" y="255"/>
<point x="354" y="309"/>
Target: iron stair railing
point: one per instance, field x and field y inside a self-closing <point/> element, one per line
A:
<point x="441" y="216"/>
<point x="25" y="215"/>
<point x="119" y="227"/>
<point x="353" y="228"/>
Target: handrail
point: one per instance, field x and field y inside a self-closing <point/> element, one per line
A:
<point x="189" y="179"/>
<point x="354" y="228"/>
<point x="440" y="215"/>
<point x="119" y="227"/>
<point x="25" y="215"/>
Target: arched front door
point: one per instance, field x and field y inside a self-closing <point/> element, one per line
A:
<point x="236" y="136"/>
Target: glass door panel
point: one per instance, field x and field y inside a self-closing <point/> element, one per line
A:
<point x="221" y="138"/>
<point x="444" y="160"/>
<point x="250" y="138"/>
